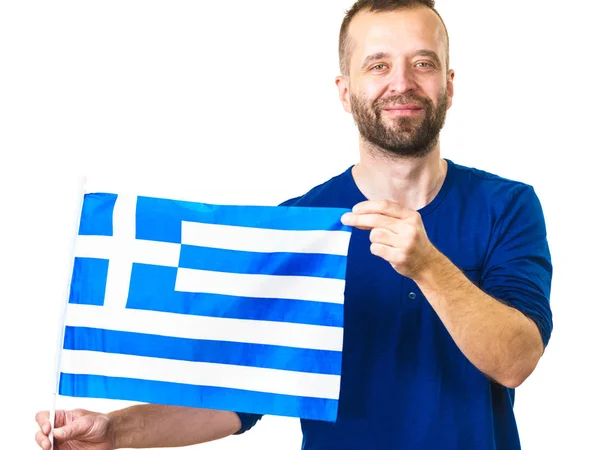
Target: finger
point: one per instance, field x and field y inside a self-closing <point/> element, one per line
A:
<point x="370" y="221"/>
<point x="383" y="236"/>
<point x="74" y="430"/>
<point x="42" y="419"/>
<point x="42" y="440"/>
<point x="390" y="254"/>
<point x="385" y="207"/>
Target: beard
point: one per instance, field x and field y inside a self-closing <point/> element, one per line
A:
<point x="408" y="137"/>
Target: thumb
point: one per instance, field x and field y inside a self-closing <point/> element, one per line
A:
<point x="71" y="431"/>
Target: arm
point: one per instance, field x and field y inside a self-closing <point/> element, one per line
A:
<point x="498" y="339"/>
<point x="148" y="426"/>
<point x="501" y="328"/>
<point x="140" y="426"/>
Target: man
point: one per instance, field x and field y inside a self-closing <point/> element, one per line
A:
<point x="448" y="276"/>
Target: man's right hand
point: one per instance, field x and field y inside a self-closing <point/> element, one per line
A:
<point x="75" y="430"/>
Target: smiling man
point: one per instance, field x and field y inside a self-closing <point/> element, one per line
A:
<point x="395" y="79"/>
<point x="448" y="276"/>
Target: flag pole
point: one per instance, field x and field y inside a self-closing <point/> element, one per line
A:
<point x="66" y="293"/>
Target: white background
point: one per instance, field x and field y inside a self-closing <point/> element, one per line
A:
<point x="235" y="101"/>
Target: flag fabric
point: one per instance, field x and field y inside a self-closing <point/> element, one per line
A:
<point x="183" y="303"/>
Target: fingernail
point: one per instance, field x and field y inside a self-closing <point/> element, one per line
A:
<point x="59" y="433"/>
<point x="345" y="218"/>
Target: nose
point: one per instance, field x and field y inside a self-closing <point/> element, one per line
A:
<point x="402" y="80"/>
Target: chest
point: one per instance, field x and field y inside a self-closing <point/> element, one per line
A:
<point x="380" y="300"/>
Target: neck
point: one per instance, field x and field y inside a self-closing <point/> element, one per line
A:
<point x="411" y="182"/>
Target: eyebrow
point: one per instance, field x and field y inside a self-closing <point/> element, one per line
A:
<point x="383" y="55"/>
<point x="374" y="57"/>
<point x="431" y="54"/>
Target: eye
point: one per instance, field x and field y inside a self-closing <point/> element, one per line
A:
<point x="424" y="64"/>
<point x="379" y="67"/>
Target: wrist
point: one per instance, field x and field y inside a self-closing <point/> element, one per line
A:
<point x="113" y="432"/>
<point x="433" y="265"/>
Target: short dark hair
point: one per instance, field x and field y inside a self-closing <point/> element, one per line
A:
<point x="380" y="6"/>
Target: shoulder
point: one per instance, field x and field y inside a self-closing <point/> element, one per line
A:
<point x="511" y="208"/>
<point x="494" y="188"/>
<point x="490" y="180"/>
<point x="330" y="193"/>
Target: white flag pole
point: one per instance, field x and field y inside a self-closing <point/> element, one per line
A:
<point x="66" y="293"/>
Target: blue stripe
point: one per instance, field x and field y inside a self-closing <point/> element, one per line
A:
<point x="88" y="282"/>
<point x="219" y="352"/>
<point x="157" y="392"/>
<point x="160" y="219"/>
<point x="236" y="261"/>
<point x="153" y="288"/>
<point x="97" y="214"/>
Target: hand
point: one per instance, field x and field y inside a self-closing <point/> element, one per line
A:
<point x="397" y="235"/>
<point x="75" y="430"/>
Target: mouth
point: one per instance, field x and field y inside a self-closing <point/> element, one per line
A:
<point x="403" y="110"/>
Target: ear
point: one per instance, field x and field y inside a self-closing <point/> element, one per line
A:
<point x="450" y="86"/>
<point x="343" y="86"/>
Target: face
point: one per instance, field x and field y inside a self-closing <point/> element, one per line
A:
<point x="398" y="88"/>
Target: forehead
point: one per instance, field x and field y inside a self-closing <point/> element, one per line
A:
<point x="395" y="32"/>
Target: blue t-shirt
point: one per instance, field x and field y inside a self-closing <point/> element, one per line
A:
<point x="405" y="385"/>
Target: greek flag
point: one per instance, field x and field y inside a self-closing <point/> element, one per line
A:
<point x="237" y="308"/>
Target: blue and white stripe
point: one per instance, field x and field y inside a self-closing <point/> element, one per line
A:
<point x="224" y="307"/>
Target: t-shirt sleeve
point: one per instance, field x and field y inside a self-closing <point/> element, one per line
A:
<point x="518" y="268"/>
<point x="248" y="421"/>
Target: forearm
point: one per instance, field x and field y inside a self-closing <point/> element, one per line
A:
<point x="151" y="426"/>
<point x="499" y="340"/>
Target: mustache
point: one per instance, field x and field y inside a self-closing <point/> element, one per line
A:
<point x="402" y="100"/>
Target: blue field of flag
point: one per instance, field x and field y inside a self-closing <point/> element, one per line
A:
<point x="225" y="307"/>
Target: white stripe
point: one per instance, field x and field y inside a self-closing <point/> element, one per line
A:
<point x="138" y="250"/>
<point x="201" y="374"/>
<point x="265" y="240"/>
<point x="157" y="253"/>
<point x="117" y="283"/>
<point x="119" y="266"/>
<point x="328" y="290"/>
<point x="210" y="328"/>
<point x="94" y="247"/>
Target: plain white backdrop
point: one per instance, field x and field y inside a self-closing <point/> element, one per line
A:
<point x="235" y="102"/>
